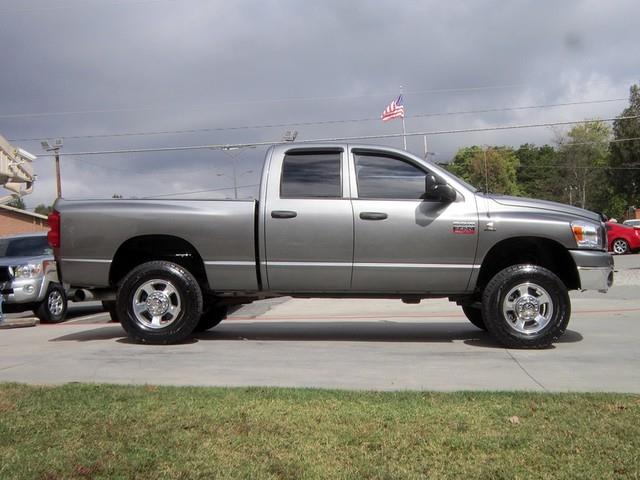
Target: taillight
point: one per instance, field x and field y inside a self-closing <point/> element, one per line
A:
<point x="54" y="229"/>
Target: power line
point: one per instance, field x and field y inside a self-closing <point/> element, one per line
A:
<point x="200" y="191"/>
<point x="337" y="139"/>
<point x="251" y="102"/>
<point x="82" y="5"/>
<point x="316" y="123"/>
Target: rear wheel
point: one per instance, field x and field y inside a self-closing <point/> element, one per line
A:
<point x="526" y="306"/>
<point x="159" y="302"/>
<point x="620" y="246"/>
<point x="475" y="316"/>
<point x="53" y="309"/>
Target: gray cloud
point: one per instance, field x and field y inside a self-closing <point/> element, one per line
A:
<point x="167" y="65"/>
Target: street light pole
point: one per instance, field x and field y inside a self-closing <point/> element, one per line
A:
<point x="55" y="148"/>
<point x="58" y="182"/>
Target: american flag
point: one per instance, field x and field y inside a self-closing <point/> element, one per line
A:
<point x="394" y="110"/>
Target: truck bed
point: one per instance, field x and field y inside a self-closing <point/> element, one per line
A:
<point x="221" y="231"/>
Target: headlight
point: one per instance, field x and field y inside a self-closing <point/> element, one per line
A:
<point x="587" y="235"/>
<point x="28" y="270"/>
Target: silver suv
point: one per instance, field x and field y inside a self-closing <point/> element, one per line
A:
<point x="29" y="278"/>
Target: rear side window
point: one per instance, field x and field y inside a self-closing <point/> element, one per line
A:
<point x="311" y="175"/>
<point x="388" y="177"/>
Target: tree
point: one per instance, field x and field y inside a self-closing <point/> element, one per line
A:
<point x="493" y="168"/>
<point x="16" y="202"/>
<point x="584" y="156"/>
<point x="42" y="209"/>
<point x="625" y="155"/>
<point x="538" y="175"/>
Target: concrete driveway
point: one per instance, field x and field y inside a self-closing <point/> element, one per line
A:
<point x="351" y="344"/>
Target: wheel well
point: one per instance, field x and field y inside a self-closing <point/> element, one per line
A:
<point x="534" y="250"/>
<point x="147" y="248"/>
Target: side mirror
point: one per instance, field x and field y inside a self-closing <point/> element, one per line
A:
<point x="438" y="191"/>
<point x="430" y="186"/>
<point x="446" y="193"/>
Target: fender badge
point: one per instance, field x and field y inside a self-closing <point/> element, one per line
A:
<point x="490" y="227"/>
<point x="464" y="228"/>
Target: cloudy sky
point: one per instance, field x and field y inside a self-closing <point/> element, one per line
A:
<point x="94" y="72"/>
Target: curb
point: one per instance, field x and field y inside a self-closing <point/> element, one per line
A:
<point x="19" y="322"/>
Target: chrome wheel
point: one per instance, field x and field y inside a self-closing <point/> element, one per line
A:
<point x="55" y="303"/>
<point x="528" y="308"/>
<point x="620" y="246"/>
<point x="156" y="304"/>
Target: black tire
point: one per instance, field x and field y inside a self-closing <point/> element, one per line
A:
<point x="620" y="246"/>
<point x="475" y="316"/>
<point x="53" y="309"/>
<point x="110" y="307"/>
<point x="544" y="293"/>
<point x="211" y="317"/>
<point x="169" y="299"/>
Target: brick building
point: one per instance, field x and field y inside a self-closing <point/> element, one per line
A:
<point x="14" y="220"/>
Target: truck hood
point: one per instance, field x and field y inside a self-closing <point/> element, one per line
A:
<point x="545" y="205"/>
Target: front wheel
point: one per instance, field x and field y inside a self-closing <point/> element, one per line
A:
<point x="53" y="309"/>
<point x="159" y="302"/>
<point x="620" y="246"/>
<point x="526" y="306"/>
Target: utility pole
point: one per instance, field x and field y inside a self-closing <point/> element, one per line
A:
<point x="55" y="148"/>
<point x="486" y="171"/>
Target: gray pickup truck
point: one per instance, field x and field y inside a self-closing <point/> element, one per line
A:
<point x="335" y="221"/>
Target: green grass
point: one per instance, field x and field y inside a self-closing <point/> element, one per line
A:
<point x="96" y="431"/>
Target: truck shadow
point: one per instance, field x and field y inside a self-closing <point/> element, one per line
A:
<point x="380" y="331"/>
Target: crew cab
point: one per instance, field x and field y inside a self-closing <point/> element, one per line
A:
<point x="335" y="220"/>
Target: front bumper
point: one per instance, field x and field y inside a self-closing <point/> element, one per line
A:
<point x="595" y="269"/>
<point x="24" y="290"/>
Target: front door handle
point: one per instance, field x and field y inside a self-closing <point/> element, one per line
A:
<point x="283" y="214"/>
<point x="373" y="216"/>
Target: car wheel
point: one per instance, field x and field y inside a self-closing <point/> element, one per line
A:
<point x="620" y="246"/>
<point x="53" y="309"/>
<point x="211" y="317"/>
<point x="475" y="316"/>
<point x="526" y="306"/>
<point x="159" y="302"/>
<point x="110" y="307"/>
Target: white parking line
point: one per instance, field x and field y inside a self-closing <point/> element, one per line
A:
<point x="87" y="317"/>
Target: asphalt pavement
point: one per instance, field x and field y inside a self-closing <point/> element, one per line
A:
<point x="347" y="344"/>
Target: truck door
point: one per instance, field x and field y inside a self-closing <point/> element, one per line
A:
<point x="404" y="243"/>
<point x="309" y="222"/>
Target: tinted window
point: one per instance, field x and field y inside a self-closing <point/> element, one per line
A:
<point x="25" y="247"/>
<point x="387" y="177"/>
<point x="311" y="175"/>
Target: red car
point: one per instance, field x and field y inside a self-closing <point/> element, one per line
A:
<point x="622" y="238"/>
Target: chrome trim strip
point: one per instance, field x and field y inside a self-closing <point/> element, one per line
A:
<point x="415" y="265"/>
<point x="85" y="260"/>
<point x="309" y="264"/>
<point x="224" y="263"/>
<point x="371" y="265"/>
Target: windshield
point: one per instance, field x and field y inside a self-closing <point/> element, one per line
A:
<point x="24" y="247"/>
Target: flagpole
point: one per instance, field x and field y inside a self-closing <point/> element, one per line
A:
<point x="404" y="128"/>
<point x="404" y="134"/>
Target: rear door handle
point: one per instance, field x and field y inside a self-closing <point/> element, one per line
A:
<point x="283" y="214"/>
<point x="373" y="216"/>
